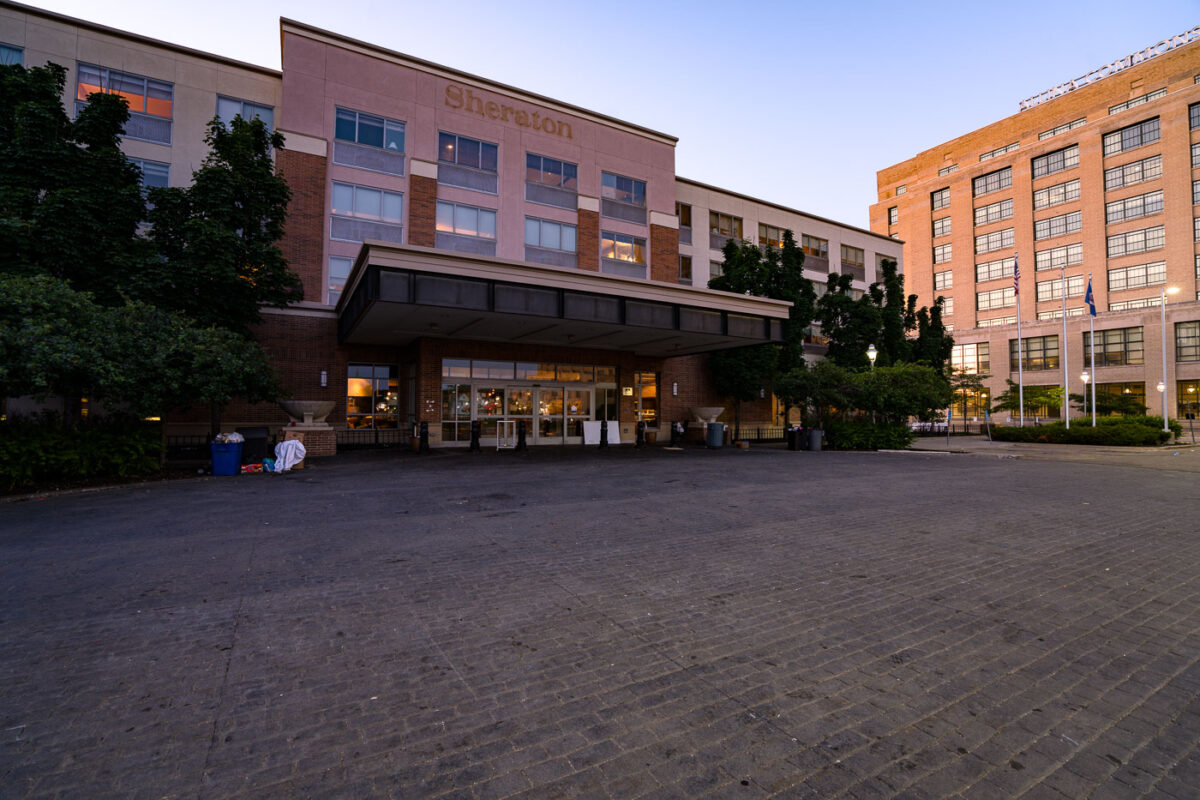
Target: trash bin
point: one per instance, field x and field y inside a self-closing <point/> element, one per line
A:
<point x="715" y="434"/>
<point x="793" y="438"/>
<point x="226" y="458"/>
<point x="254" y="449"/>
<point x="815" y="437"/>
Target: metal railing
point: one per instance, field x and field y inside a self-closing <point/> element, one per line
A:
<point x="362" y="438"/>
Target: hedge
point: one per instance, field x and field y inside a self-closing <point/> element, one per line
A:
<point x="1111" y="431"/>
<point x="867" y="436"/>
<point x="39" y="451"/>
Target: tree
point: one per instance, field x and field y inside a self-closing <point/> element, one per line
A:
<point x="70" y="201"/>
<point x="964" y="384"/>
<point x="895" y="393"/>
<point x="741" y="374"/>
<point x="818" y="390"/>
<point x="1036" y="397"/>
<point x="217" y="237"/>
<point x="1124" y="405"/>
<point x="851" y="324"/>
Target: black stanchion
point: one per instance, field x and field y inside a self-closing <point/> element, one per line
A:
<point x="640" y="440"/>
<point x="474" y="448"/>
<point x="603" y="433"/>
<point x="424" y="437"/>
<point x="520" y="434"/>
<point x="676" y="433"/>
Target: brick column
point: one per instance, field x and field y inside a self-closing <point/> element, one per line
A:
<point x="302" y="163"/>
<point x="588" y="234"/>
<point x="664" y="247"/>
<point x="422" y="204"/>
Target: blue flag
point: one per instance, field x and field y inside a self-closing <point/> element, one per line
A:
<point x="1091" y="301"/>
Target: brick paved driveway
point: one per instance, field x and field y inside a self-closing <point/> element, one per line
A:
<point x="624" y="625"/>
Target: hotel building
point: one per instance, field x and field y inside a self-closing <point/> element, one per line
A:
<point x="1097" y="177"/>
<point x="470" y="252"/>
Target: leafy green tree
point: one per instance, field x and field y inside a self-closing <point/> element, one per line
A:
<point x="819" y="390"/>
<point x="741" y="374"/>
<point x="1036" y="397"/>
<point x="895" y="393"/>
<point x="217" y="237"/>
<point x="963" y="385"/>
<point x="70" y="201"/>
<point x="851" y="324"/>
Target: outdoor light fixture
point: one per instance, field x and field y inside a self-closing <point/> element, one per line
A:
<point x="1161" y="387"/>
<point x="674" y="389"/>
<point x="1085" y="377"/>
<point x="324" y="378"/>
<point x="872" y="354"/>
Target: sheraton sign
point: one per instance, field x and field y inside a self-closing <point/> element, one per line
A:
<point x="458" y="97"/>
<point x="1165" y="46"/>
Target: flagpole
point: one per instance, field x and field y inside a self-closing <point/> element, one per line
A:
<point x="1092" y="342"/>
<point x="1063" y="350"/>
<point x="1020" y="365"/>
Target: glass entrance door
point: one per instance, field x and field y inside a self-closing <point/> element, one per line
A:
<point x="550" y="415"/>
<point x="578" y="408"/>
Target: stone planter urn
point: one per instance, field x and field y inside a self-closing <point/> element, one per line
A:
<point x="311" y="413"/>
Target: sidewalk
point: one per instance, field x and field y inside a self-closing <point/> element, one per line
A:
<point x="1181" y="455"/>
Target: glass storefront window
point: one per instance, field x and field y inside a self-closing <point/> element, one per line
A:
<point x="527" y="371"/>
<point x="495" y="370"/>
<point x="372" y="396"/>
<point x="456" y="367"/>
<point x="646" y="394"/>
<point x="456" y="412"/>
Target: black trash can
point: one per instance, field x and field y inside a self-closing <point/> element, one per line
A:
<point x="815" y="437"/>
<point x="254" y="449"/>
<point x="715" y="435"/>
<point x="793" y="437"/>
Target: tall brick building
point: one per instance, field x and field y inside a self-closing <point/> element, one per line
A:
<point x="470" y="252"/>
<point x="1097" y="177"/>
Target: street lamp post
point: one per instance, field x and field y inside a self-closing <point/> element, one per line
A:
<point x="1191" y="413"/>
<point x="872" y="354"/>
<point x="1162" y="318"/>
<point x="1085" y="377"/>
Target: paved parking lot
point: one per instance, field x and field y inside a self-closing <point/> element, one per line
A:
<point x="618" y="625"/>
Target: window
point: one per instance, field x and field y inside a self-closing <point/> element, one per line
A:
<point x="893" y="215"/>
<point x="941" y="227"/>
<point x="1194" y="115"/>
<point x="339" y="271"/>
<point x="1114" y="348"/>
<point x="943" y="253"/>
<point x="369" y="130"/>
<point x="1052" y="289"/>
<point x="725" y="225"/>
<point x="1187" y="341"/>
<point x="685" y="269"/>
<point x="622" y="190"/>
<point x="999" y="151"/>
<point x="1129" y="305"/>
<point x="645" y="396"/>
<point x="1142" y="133"/>
<point x="1057" y="314"/>
<point x="684" y="212"/>
<point x="997" y="240"/>
<point x="1067" y="126"/>
<point x="993" y="181"/>
<point x="1196" y="229"/>
<point x="901" y="189"/>
<point x="973" y="359"/>
<point x="1195" y="192"/>
<point x="769" y="236"/>
<point x="1058" y="257"/>
<point x="1057" y="161"/>
<point x="940" y="198"/>
<point x="464" y="152"/>
<point x="1057" y="226"/>
<point x="619" y="247"/>
<point x="1137" y="101"/>
<point x="10" y="55"/>
<point x="463" y="220"/>
<point x="1138" y="241"/>
<point x="995" y="322"/>
<point x="1196" y="155"/>
<point x="1128" y="174"/>
<point x="1142" y="205"/>
<point x="150" y="101"/>
<point x="716" y="269"/>
<point x="985" y="215"/>
<point x="1056" y="194"/>
<point x="1037" y="353"/>
<point x="372" y="396"/>
<point x="948" y="306"/>
<point x="230" y="107"/>
<point x="549" y="235"/>
<point x="943" y="280"/>
<point x="366" y="203"/>
<point x="996" y="298"/>
<point x="947" y="170"/>
<point x="813" y="246"/>
<point x="995" y="270"/>
<point x="853" y="257"/>
<point x="154" y="173"/>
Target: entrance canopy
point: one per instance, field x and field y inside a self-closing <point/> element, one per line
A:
<point x="396" y="294"/>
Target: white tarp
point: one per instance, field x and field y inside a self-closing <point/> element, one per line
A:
<point x="288" y="454"/>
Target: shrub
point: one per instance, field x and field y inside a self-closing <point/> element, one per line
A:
<point x="1110" y="431"/>
<point x="868" y="436"/>
<point x="35" y="451"/>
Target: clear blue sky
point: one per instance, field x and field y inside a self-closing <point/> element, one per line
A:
<point x="794" y="102"/>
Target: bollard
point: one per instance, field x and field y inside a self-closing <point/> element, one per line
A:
<point x="520" y="434"/>
<point x="676" y="433"/>
<point x="640" y="440"/>
<point x="424" y="437"/>
<point x="603" y="433"/>
<point x="474" y="448"/>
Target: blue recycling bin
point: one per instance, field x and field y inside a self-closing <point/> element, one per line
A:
<point x="226" y="458"/>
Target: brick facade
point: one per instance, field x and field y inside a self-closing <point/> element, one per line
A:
<point x="664" y="254"/>
<point x="422" y="211"/>
<point x="303" y="239"/>
<point x="588" y="240"/>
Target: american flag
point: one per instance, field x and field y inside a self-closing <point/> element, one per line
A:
<point x="1016" y="275"/>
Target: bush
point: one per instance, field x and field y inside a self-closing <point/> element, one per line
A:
<point x="36" y="451"/>
<point x="1110" y="431"/>
<point x="868" y="436"/>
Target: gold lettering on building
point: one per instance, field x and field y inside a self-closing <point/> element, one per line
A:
<point x="463" y="99"/>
